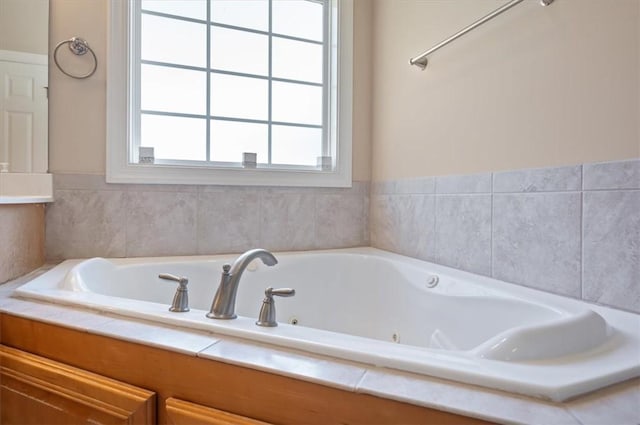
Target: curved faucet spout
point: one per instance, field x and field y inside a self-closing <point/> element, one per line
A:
<point x="224" y="302"/>
<point x="241" y="263"/>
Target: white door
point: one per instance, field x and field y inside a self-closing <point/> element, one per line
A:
<point x="23" y="117"/>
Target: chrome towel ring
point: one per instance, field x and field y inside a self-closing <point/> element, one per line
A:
<point x="78" y="47"/>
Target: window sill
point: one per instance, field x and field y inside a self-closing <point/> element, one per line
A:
<point x="159" y="174"/>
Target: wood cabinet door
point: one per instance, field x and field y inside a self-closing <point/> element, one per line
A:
<point x="35" y="390"/>
<point x="182" y="412"/>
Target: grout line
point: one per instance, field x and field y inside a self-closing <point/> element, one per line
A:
<point x="358" y="385"/>
<point x="127" y="211"/>
<point x="435" y="227"/>
<point x="197" y="219"/>
<point x="582" y="229"/>
<point x="491" y="265"/>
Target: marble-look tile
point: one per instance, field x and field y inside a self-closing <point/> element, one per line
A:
<point x="162" y="188"/>
<point x="612" y="175"/>
<point x="463" y="232"/>
<point x="291" y="363"/>
<point x="611" y="248"/>
<point x="161" y="223"/>
<point x="404" y="224"/>
<point x="539" y="180"/>
<point x="217" y="188"/>
<point x="366" y="237"/>
<point x="74" y="318"/>
<point x="166" y="337"/>
<point x="341" y="220"/>
<point x="287" y="220"/>
<point x="537" y="241"/>
<point x="386" y="187"/>
<point x="618" y="404"/>
<point x="21" y="307"/>
<point x="420" y="185"/>
<point x="22" y="229"/>
<point x="361" y="187"/>
<point x="462" y="399"/>
<point x="82" y="224"/>
<point x="381" y="222"/>
<point x="228" y="221"/>
<point x="469" y="183"/>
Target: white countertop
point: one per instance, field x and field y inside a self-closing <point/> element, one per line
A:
<point x="25" y="199"/>
<point x="26" y="188"/>
<point x="618" y="404"/>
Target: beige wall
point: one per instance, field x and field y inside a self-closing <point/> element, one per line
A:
<point x="537" y="86"/>
<point x="77" y="113"/>
<point x="77" y="107"/>
<point x="24" y="25"/>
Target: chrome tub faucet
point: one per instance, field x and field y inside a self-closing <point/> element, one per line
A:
<point x="224" y="302"/>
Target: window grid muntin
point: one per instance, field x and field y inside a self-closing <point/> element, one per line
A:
<point x="326" y="148"/>
<point x="270" y="83"/>
<point x="208" y="121"/>
<point x="234" y="73"/>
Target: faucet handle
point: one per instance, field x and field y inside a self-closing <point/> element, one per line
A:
<point x="281" y="292"/>
<point x="267" y="315"/>
<point x="181" y="298"/>
<point x="183" y="281"/>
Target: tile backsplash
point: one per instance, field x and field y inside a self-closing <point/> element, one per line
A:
<point x="90" y="218"/>
<point x="571" y="230"/>
<point x="22" y="237"/>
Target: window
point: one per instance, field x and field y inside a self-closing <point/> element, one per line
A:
<point x="203" y="82"/>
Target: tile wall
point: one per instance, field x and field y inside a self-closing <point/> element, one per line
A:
<point x="91" y="218"/>
<point x="21" y="239"/>
<point x="572" y="230"/>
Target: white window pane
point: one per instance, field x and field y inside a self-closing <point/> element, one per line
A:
<point x="295" y="145"/>
<point x="196" y="9"/>
<point x="297" y="103"/>
<point x="173" y="90"/>
<point x="174" y="137"/>
<point x="298" y="18"/>
<point x="174" y="41"/>
<point x="239" y="97"/>
<point x="229" y="139"/>
<point x="239" y="51"/>
<point x="242" y="13"/>
<point x="297" y="60"/>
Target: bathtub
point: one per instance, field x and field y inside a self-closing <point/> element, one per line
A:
<point x="379" y="308"/>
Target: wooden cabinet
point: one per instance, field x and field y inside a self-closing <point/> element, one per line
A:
<point x="35" y="390"/>
<point x="180" y="412"/>
<point x="234" y="393"/>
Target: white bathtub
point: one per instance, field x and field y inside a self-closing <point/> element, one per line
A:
<point x="376" y="307"/>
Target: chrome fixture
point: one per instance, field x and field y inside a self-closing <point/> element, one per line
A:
<point x="181" y="298"/>
<point x="224" y="302"/>
<point x="78" y="47"/>
<point x="421" y="59"/>
<point x="267" y="316"/>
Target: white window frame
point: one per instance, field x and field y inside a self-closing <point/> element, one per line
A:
<point x="119" y="92"/>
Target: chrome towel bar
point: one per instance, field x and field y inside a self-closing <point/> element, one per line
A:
<point x="421" y="59"/>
